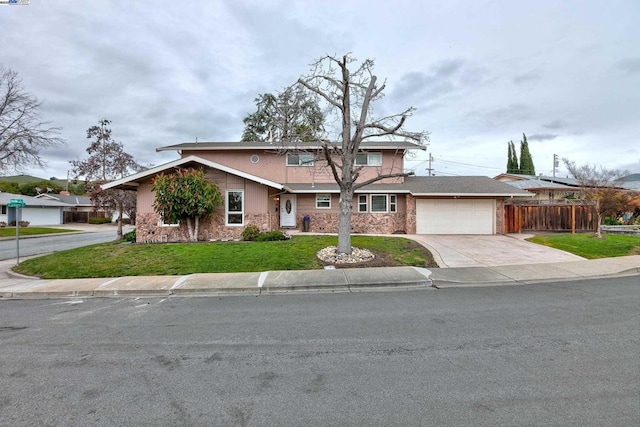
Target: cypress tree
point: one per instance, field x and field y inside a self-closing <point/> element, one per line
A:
<point x="526" y="161"/>
<point x="512" y="161"/>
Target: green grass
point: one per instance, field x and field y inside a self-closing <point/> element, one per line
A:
<point x="299" y="253"/>
<point x="30" y="231"/>
<point x="589" y="246"/>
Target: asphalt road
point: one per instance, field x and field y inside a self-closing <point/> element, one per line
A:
<point x="546" y="354"/>
<point x="52" y="243"/>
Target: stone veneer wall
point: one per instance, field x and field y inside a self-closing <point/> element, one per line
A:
<point x="387" y="223"/>
<point x="211" y="228"/>
<point x="411" y="214"/>
<point x="499" y="216"/>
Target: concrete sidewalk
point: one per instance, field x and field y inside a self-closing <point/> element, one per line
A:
<point x="338" y="280"/>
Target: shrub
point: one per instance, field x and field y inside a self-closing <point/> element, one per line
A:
<point x="130" y="236"/>
<point x="250" y="232"/>
<point x="99" y="220"/>
<point x="3" y="224"/>
<point x="271" y="236"/>
<point x="22" y="223"/>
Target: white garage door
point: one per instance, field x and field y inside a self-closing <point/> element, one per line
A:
<point x="455" y="216"/>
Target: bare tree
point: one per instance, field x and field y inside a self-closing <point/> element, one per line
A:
<point x="22" y="133"/>
<point x="601" y="186"/>
<point x="107" y="161"/>
<point x="349" y="95"/>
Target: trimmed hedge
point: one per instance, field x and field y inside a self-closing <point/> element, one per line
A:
<point x="99" y="220"/>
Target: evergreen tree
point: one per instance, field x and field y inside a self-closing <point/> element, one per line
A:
<point x="526" y="161"/>
<point x="512" y="160"/>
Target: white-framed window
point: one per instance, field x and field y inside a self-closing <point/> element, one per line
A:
<point x="323" y="201"/>
<point x="4" y="209"/>
<point x="362" y="203"/>
<point x="299" y="159"/>
<point x="168" y="224"/>
<point x="369" y="159"/>
<point x="393" y="203"/>
<point x="234" y="207"/>
<point x="378" y="203"/>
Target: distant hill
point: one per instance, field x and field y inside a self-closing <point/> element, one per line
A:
<point x="28" y="179"/>
<point x="24" y="179"/>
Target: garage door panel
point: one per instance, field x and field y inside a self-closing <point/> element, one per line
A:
<point x="455" y="216"/>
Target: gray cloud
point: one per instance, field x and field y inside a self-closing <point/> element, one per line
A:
<point x="629" y="65"/>
<point x="527" y="77"/>
<point x="542" y="137"/>
<point x="555" y="124"/>
<point x="503" y="116"/>
<point x="440" y="79"/>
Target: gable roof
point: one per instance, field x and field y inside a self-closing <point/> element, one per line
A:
<point x="5" y="198"/>
<point x="461" y="186"/>
<point x="572" y="182"/>
<point x="258" y="145"/>
<point x="132" y="181"/>
<point x="452" y="186"/>
<point x="70" y="199"/>
<point x="538" y="185"/>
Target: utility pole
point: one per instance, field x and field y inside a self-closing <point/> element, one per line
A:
<point x="430" y="169"/>
<point x="556" y="163"/>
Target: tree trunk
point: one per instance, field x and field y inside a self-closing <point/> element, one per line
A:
<point x="598" y="227"/>
<point x="195" y="232"/>
<point x="190" y="229"/>
<point x="344" y="221"/>
<point x="119" y="232"/>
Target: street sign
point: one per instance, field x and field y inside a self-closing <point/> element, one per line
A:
<point x="16" y="203"/>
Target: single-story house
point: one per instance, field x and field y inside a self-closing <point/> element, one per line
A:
<point x="37" y="211"/>
<point x="275" y="187"/>
<point x="545" y="188"/>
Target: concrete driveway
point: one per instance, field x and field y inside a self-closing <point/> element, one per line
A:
<point x="489" y="250"/>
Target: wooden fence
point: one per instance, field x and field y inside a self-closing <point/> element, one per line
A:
<point x="548" y="217"/>
<point x="82" y="217"/>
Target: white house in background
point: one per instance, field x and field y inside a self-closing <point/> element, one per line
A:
<point x="36" y="211"/>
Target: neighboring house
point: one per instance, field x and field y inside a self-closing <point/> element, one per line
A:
<point x="262" y="185"/>
<point x="79" y="209"/>
<point x="37" y="211"/>
<point x="546" y="189"/>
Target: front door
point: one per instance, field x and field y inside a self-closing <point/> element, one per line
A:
<point x="288" y="210"/>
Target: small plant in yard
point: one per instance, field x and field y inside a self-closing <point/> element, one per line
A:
<point x="250" y="232"/>
<point x="3" y="224"/>
<point x="272" y="236"/>
<point x="130" y="236"/>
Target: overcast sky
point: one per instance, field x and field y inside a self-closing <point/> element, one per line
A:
<point x="479" y="72"/>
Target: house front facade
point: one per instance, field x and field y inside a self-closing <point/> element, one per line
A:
<point x="276" y="188"/>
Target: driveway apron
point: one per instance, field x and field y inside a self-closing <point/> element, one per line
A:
<point x="452" y="251"/>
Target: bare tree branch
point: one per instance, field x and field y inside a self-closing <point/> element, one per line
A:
<point x="22" y="134"/>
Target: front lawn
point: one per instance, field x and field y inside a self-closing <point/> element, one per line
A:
<point x="589" y="246"/>
<point x="30" y="231"/>
<point x="298" y="253"/>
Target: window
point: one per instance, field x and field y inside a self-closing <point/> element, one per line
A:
<point x="378" y="203"/>
<point x="369" y="159"/>
<point x="299" y="159"/>
<point x="4" y="209"/>
<point x="323" y="201"/>
<point x="362" y="203"/>
<point x="168" y="224"/>
<point x="393" y="203"/>
<point x="235" y="207"/>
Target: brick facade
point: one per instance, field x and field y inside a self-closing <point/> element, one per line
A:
<point x="384" y="223"/>
<point x="148" y="229"/>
